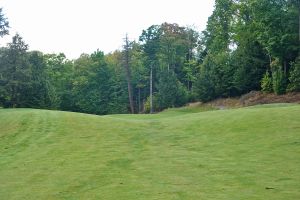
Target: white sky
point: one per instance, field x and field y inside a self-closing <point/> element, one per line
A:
<point x="83" y="26"/>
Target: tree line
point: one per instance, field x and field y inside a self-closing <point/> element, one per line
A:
<point x="247" y="45"/>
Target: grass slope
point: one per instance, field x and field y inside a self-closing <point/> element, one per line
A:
<point x="248" y="153"/>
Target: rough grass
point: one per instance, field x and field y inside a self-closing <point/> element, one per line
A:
<point x="248" y="153"/>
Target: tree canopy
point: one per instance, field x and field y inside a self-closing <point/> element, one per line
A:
<point x="4" y="25"/>
<point x="247" y="45"/>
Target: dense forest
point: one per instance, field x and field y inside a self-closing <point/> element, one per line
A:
<point x="247" y="45"/>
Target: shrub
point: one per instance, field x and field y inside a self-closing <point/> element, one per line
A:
<point x="155" y="104"/>
<point x="294" y="78"/>
<point x="278" y="78"/>
<point x="266" y="83"/>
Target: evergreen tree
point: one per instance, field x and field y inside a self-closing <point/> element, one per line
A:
<point x="15" y="74"/>
<point x="4" y="25"/>
<point x="266" y="83"/>
<point x="39" y="89"/>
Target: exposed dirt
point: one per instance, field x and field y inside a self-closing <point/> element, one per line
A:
<point x="254" y="98"/>
<point x="250" y="99"/>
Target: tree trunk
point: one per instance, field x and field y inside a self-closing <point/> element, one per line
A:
<point x="270" y="60"/>
<point x="139" y="100"/>
<point x="285" y="67"/>
<point x="128" y="75"/>
<point x="151" y="98"/>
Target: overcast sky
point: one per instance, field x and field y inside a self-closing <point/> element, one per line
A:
<point x="83" y="26"/>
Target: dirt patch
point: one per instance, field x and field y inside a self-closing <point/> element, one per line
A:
<point x="250" y="99"/>
<point x="254" y="98"/>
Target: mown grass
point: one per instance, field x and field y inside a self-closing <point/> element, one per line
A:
<point x="247" y="153"/>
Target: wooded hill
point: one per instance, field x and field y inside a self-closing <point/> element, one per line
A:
<point x="247" y="45"/>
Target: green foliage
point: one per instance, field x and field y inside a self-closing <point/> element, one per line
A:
<point x="217" y="35"/>
<point x="150" y="39"/>
<point x="266" y="83"/>
<point x="205" y="85"/>
<point x="276" y="27"/>
<point x="169" y="50"/>
<point x="249" y="62"/>
<point x="229" y="58"/>
<point x="279" y="81"/>
<point x="278" y="78"/>
<point x="294" y="78"/>
<point x="39" y="93"/>
<point x="190" y="69"/>
<point x="59" y="72"/>
<point x="215" y="77"/>
<point x="252" y="35"/>
<point x="91" y="88"/>
<point x="15" y="74"/>
<point x="171" y="93"/>
<point x="119" y="93"/>
<point x="156" y="106"/>
<point x="4" y="25"/>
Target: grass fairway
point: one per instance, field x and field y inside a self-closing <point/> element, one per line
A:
<point x="238" y="154"/>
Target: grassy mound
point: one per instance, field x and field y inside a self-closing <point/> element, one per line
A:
<point x="248" y="153"/>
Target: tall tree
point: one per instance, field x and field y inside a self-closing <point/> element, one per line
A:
<point x="119" y="87"/>
<point x="4" y="25"/>
<point x="171" y="92"/>
<point x="140" y="76"/>
<point x="59" y="82"/>
<point x="249" y="58"/>
<point x="92" y="84"/>
<point x="276" y="29"/>
<point x="217" y="36"/>
<point x="128" y="73"/>
<point x="15" y="74"/>
<point x="150" y="39"/>
<point x="39" y="97"/>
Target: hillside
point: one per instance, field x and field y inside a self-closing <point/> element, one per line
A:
<point x="246" y="153"/>
<point x="250" y="99"/>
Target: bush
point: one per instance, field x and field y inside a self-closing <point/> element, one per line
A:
<point x="294" y="78"/>
<point x="155" y="104"/>
<point x="266" y="83"/>
<point x="182" y="95"/>
<point x="278" y="78"/>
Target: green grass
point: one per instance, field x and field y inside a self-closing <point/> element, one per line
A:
<point x="247" y="153"/>
<point x="188" y="109"/>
